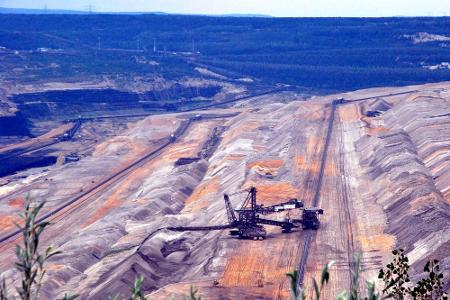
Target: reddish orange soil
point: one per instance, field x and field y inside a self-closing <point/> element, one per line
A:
<point x="269" y="194"/>
<point x="264" y="167"/>
<point x="255" y="267"/>
<point x="200" y="198"/>
<point x="7" y="222"/>
<point x="377" y="130"/>
<point x="187" y="147"/>
<point x="349" y="113"/>
<point x="16" y="203"/>
<point x="269" y="164"/>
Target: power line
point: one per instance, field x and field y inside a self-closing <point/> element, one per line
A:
<point x="90" y="8"/>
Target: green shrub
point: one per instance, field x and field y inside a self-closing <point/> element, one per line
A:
<point x="29" y="261"/>
<point x="395" y="277"/>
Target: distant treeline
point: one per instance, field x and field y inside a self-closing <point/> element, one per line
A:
<point x="335" y="77"/>
<point x="330" y="53"/>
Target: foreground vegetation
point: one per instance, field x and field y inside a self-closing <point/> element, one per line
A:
<point x="395" y="282"/>
<point x="395" y="279"/>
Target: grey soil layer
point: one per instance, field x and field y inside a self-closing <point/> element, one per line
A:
<point x="385" y="183"/>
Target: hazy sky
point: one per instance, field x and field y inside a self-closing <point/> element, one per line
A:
<point x="281" y="8"/>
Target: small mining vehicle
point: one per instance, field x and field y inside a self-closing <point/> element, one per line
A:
<point x="249" y="225"/>
<point x="310" y="218"/>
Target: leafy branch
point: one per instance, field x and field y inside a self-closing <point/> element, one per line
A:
<point x="30" y="262"/>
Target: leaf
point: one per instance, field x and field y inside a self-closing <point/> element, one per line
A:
<point x="73" y="297"/>
<point x="36" y="210"/>
<point x="3" y="291"/>
<point x="193" y="294"/>
<point x="316" y="289"/>
<point x="326" y="274"/>
<point x="371" y="295"/>
<point x="48" y="250"/>
<point x="54" y="253"/>
<point x="342" y="296"/>
<point x="40" y="228"/>
<point x="136" y="291"/>
<point x="293" y="278"/>
<point x="427" y="267"/>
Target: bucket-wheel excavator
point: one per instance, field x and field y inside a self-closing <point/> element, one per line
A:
<point x="246" y="223"/>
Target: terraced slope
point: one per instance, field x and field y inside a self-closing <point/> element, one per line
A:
<point x="385" y="184"/>
<point x="409" y="164"/>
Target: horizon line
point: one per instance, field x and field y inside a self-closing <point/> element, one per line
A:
<point x="56" y="11"/>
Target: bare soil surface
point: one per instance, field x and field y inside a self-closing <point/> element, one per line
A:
<point x="386" y="184"/>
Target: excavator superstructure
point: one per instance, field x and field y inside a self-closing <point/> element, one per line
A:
<point x="246" y="223"/>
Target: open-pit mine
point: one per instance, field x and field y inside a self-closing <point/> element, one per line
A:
<point x="144" y="193"/>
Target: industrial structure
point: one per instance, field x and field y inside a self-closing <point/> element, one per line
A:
<point x="246" y="223"/>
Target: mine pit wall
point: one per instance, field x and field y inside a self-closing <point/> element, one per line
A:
<point x="389" y="169"/>
<point x="113" y="269"/>
<point x="409" y="176"/>
<point x="69" y="104"/>
<point x="17" y="164"/>
<point x="105" y="232"/>
<point x="39" y="109"/>
<point x="15" y="125"/>
<point x="248" y="148"/>
<point x="98" y="269"/>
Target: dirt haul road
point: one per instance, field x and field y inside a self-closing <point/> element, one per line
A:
<point x="383" y="174"/>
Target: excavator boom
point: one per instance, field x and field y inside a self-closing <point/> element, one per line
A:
<point x="230" y="211"/>
<point x="246" y="222"/>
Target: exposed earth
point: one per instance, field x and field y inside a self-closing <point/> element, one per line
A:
<point x="385" y="184"/>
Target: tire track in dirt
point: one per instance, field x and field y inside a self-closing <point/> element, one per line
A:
<point x="315" y="200"/>
<point x="346" y="222"/>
